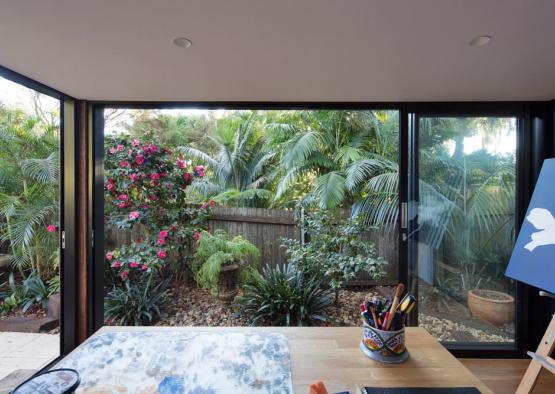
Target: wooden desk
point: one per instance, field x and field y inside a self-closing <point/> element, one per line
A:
<point x="331" y="354"/>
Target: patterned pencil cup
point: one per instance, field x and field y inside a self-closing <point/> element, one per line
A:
<point x="384" y="346"/>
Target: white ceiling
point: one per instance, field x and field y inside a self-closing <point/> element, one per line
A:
<point x="284" y="50"/>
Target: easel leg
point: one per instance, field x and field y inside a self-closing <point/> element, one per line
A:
<point x="544" y="349"/>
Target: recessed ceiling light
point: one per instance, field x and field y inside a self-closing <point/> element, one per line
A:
<point x="480" y="41"/>
<point x="182" y="42"/>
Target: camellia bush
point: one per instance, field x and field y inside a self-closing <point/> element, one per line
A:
<point x="145" y="185"/>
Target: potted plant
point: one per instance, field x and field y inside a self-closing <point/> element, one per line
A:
<point x="490" y="306"/>
<point x="220" y="260"/>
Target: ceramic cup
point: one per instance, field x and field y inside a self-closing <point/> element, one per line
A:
<point x="384" y="346"/>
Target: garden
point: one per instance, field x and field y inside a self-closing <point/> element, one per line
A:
<point x="216" y="217"/>
<point x="29" y="208"/>
<point x="195" y="193"/>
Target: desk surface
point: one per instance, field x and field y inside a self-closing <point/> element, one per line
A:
<point x="331" y="354"/>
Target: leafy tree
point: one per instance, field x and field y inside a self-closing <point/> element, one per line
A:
<point x="239" y="169"/>
<point x="29" y="176"/>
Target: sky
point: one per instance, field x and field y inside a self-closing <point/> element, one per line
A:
<point x="15" y="95"/>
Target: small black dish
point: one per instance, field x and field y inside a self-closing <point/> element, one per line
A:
<point x="55" y="381"/>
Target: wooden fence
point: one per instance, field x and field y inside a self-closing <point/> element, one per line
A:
<point x="266" y="228"/>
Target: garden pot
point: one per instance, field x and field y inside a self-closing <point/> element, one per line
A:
<point x="491" y="306"/>
<point x="227" y="284"/>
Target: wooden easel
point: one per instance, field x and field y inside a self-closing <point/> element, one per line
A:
<point x="540" y="359"/>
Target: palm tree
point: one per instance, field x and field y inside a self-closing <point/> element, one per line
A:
<point x="239" y="165"/>
<point x="29" y="173"/>
<point x="352" y="156"/>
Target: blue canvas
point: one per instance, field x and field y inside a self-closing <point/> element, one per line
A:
<point x="533" y="258"/>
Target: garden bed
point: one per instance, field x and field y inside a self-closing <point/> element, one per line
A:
<point x="198" y="307"/>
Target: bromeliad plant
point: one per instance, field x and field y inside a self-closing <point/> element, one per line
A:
<point x="336" y="251"/>
<point x="284" y="297"/>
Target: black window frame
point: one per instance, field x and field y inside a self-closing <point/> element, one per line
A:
<point x="68" y="267"/>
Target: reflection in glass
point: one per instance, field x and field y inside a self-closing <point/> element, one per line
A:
<point x="466" y="228"/>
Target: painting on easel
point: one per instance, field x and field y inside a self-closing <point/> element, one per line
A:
<point x="533" y="258"/>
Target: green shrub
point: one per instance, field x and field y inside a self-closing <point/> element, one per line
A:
<point x="217" y="250"/>
<point x="136" y="303"/>
<point x="284" y="297"/>
<point x="336" y="251"/>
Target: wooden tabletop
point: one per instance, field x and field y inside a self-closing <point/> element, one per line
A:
<point x="332" y="354"/>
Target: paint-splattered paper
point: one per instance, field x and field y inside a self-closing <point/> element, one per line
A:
<point x="533" y="258"/>
<point x="188" y="362"/>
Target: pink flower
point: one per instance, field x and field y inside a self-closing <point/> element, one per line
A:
<point x="212" y="203"/>
<point x="124" y="164"/>
<point x="153" y="148"/>
<point x="135" y="143"/>
<point x="140" y="159"/>
<point x="163" y="234"/>
<point x="188" y="178"/>
<point x="196" y="235"/>
<point x="129" y="152"/>
<point x="51" y="228"/>
<point x="120" y="147"/>
<point x="111" y="180"/>
<point x="116" y="264"/>
<point x="199" y="171"/>
<point x="168" y="185"/>
<point x="124" y="275"/>
<point x="134" y="215"/>
<point x="133" y="176"/>
<point x="110" y="186"/>
<point x="181" y="163"/>
<point x="109" y="256"/>
<point x="154" y="176"/>
<point x="122" y="197"/>
<point x="204" y="206"/>
<point x="161" y="241"/>
<point x="144" y="267"/>
<point x="122" y="205"/>
<point x="133" y="264"/>
<point x="152" y="197"/>
<point x="113" y="150"/>
<point x="161" y="254"/>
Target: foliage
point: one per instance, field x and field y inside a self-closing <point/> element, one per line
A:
<point x="217" y="250"/>
<point x="284" y="297"/>
<point x="23" y="295"/>
<point x="29" y="176"/>
<point x="146" y="185"/>
<point x="343" y="150"/>
<point x="336" y="251"/>
<point x="239" y="167"/>
<point x="136" y="303"/>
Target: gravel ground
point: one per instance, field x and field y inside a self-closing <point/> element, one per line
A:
<point x="198" y="307"/>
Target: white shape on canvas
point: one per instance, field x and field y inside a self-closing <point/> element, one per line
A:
<point x="544" y="221"/>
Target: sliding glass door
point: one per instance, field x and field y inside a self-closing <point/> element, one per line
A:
<point x="463" y="217"/>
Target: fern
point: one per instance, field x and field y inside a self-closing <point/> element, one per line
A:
<point x="218" y="250"/>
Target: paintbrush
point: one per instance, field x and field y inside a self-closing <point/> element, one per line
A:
<point x="399" y="290"/>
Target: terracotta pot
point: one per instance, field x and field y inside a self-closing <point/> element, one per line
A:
<point x="227" y="284"/>
<point x="491" y="306"/>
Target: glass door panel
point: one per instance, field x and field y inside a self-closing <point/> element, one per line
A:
<point x="464" y="228"/>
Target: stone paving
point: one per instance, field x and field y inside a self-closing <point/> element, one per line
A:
<point x="20" y="350"/>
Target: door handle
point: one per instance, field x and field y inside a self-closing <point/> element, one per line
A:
<point x="404" y="215"/>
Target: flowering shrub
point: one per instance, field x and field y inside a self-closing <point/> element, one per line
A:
<point x="145" y="184"/>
